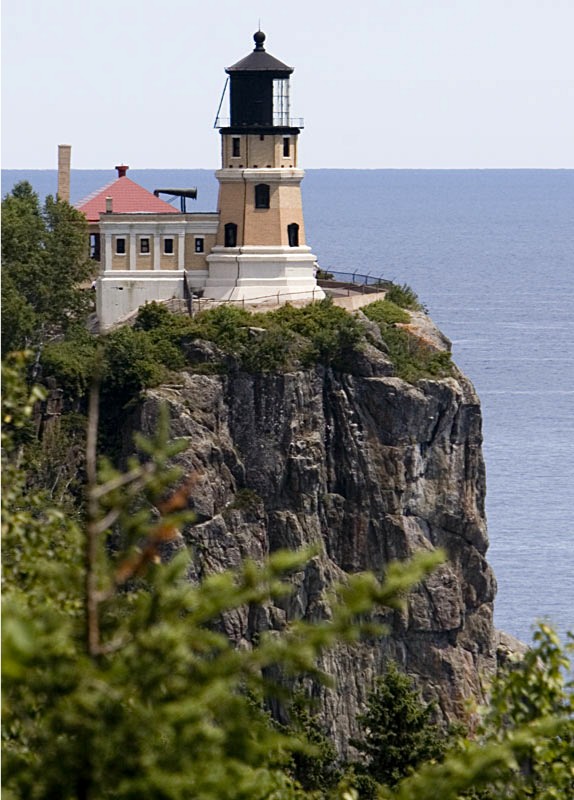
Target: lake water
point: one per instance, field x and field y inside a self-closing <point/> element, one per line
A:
<point x="491" y="253"/>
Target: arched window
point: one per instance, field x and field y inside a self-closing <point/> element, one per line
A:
<point x="293" y="234"/>
<point x="231" y="234"/>
<point x="262" y="195"/>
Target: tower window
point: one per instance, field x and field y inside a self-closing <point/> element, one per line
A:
<point x="293" y="234"/>
<point x="286" y="147"/>
<point x="231" y="234"/>
<point x="168" y="246"/>
<point x="144" y="246"/>
<point x="199" y="244"/>
<point x="236" y="147"/>
<point x="120" y="246"/>
<point x="262" y="195"/>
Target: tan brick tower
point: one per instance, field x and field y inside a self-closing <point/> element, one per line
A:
<point x="260" y="250"/>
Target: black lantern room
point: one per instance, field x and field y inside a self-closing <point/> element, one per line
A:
<point x="259" y="93"/>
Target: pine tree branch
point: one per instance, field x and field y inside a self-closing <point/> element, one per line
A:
<point x="91" y="589"/>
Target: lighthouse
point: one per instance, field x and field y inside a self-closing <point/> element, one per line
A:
<point x="260" y="251"/>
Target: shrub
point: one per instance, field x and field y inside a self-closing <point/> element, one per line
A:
<point x="411" y="357"/>
<point x="247" y="500"/>
<point x="404" y="297"/>
<point x="331" y="332"/>
<point x="387" y="312"/>
<point x="226" y="326"/>
<point x="131" y="362"/>
<point x="71" y="362"/>
<point x="317" y="333"/>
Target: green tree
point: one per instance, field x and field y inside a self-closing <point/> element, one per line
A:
<point x="525" y="747"/>
<point x="316" y="768"/>
<point x="529" y="691"/>
<point x="44" y="259"/>
<point x="398" y="730"/>
<point x="117" y="682"/>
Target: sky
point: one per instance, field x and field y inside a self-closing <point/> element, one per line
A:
<point x="381" y="84"/>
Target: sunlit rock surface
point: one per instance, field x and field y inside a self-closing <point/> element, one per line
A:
<point x="371" y="469"/>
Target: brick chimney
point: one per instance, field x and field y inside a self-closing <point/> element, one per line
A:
<point x="64" y="160"/>
<point x="122" y="169"/>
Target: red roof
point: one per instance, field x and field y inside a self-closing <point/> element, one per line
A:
<point x="127" y="197"/>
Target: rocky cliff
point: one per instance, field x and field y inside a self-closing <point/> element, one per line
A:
<point x="372" y="469"/>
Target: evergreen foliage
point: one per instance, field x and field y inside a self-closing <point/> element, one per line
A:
<point x="412" y="358"/>
<point x="398" y="730"/>
<point x="44" y="260"/>
<point x="117" y="682"/>
<point x="527" y="693"/>
<point x="316" y="768"/>
<point x="404" y="297"/>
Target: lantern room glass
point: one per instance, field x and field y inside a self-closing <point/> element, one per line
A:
<point x="281" y="108"/>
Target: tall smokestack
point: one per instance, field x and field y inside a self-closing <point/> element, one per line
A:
<point x="64" y="159"/>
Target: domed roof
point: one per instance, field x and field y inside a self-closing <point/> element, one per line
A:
<point x="260" y="60"/>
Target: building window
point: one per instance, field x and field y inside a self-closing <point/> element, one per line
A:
<point x="95" y="246"/>
<point x="236" y="147"/>
<point x="293" y="234"/>
<point x="120" y="246"/>
<point x="286" y="146"/>
<point x="168" y="246"/>
<point x="144" y="246"/>
<point x="199" y="244"/>
<point x="231" y="234"/>
<point x="262" y="195"/>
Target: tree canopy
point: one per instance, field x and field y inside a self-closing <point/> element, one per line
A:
<point x="44" y="261"/>
<point x="118" y="683"/>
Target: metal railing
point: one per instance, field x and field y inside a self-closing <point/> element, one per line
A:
<point x="358" y="281"/>
<point x="198" y="304"/>
<point x="334" y="281"/>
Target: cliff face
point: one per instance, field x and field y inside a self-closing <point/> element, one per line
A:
<point x="373" y="469"/>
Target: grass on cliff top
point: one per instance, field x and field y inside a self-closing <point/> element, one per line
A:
<point x="412" y="358"/>
<point x="319" y="333"/>
<point x="158" y="345"/>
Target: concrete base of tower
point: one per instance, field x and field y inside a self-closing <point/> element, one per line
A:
<point x="260" y="274"/>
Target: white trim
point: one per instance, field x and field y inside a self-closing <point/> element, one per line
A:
<point x="133" y="253"/>
<point x="156" y="252"/>
<point x="108" y="256"/>
<point x="257" y="250"/>
<point x="261" y="175"/>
